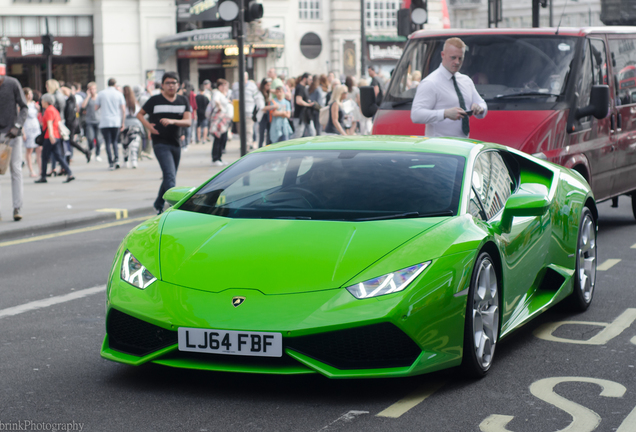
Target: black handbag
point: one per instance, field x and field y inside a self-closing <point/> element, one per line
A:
<point x="39" y="140"/>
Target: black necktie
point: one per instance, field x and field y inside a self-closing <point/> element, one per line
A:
<point x="465" y="126"/>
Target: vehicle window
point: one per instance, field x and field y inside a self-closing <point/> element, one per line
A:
<point x="410" y="68"/>
<point x="474" y="206"/>
<point x="624" y="55"/>
<point x="499" y="65"/>
<point x="334" y="185"/>
<point x="491" y="182"/>
<point x="599" y="61"/>
<point x="584" y="80"/>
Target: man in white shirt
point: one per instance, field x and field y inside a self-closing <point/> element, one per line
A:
<point x="250" y="93"/>
<point x="442" y="97"/>
<point x="112" y="107"/>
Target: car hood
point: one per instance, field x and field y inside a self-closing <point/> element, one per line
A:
<point x="214" y="253"/>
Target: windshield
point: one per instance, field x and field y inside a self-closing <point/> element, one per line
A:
<point x="499" y="65"/>
<point x="334" y="185"/>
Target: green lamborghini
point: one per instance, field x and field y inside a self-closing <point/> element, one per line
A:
<point x="353" y="257"/>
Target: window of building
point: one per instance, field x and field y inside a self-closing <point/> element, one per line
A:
<point x="309" y="9"/>
<point x="84" y="26"/>
<point x="30" y="27"/>
<point x="381" y="14"/>
<point x="35" y="26"/>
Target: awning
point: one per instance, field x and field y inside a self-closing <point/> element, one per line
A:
<point x="218" y="38"/>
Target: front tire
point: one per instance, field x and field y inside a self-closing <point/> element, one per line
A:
<point x="585" y="272"/>
<point x="481" y="330"/>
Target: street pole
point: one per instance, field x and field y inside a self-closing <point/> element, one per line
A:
<point x="49" y="58"/>
<point x="363" y="41"/>
<point x="240" y="40"/>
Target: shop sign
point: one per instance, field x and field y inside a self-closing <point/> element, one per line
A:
<point x="28" y="47"/>
<point x="215" y="58"/>
<point x="259" y="52"/>
<point x="219" y="34"/>
<point x="389" y="52"/>
<point x="230" y="62"/>
<point x="203" y="10"/>
<point x="191" y="54"/>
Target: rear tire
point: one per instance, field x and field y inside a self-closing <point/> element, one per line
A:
<point x="586" y="261"/>
<point x="634" y="203"/>
<point x="481" y="329"/>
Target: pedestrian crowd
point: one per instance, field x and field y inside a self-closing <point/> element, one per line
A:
<point x="165" y="118"/>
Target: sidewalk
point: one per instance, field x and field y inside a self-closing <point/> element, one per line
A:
<point x="56" y="205"/>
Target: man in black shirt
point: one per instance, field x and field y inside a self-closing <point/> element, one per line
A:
<point x="301" y="103"/>
<point x="202" y="121"/>
<point x="376" y="84"/>
<point x="167" y="112"/>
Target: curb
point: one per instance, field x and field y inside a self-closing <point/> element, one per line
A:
<point x="71" y="223"/>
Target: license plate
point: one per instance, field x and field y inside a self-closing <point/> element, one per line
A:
<point x="262" y="344"/>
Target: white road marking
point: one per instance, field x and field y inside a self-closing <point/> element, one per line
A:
<point x="345" y="418"/>
<point x="583" y="419"/>
<point x="39" y="304"/>
<point x="607" y="264"/>
<point x="633" y="246"/>
<point x="629" y="424"/>
<point x="611" y="330"/>
<point x="410" y="401"/>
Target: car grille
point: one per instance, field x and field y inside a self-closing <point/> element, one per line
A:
<point x="134" y="336"/>
<point x="369" y="347"/>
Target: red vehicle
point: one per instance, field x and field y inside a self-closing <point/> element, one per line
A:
<point x="548" y="94"/>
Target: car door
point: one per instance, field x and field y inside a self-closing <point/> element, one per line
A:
<point x="525" y="248"/>
<point x="596" y="138"/>
<point x="623" y="54"/>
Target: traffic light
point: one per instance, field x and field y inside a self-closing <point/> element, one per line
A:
<point x="412" y="19"/>
<point x="228" y="10"/>
<point x="253" y="11"/>
<point x="419" y="12"/>
<point x="47" y="45"/>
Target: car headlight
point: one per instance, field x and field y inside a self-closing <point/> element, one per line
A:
<point x="387" y="284"/>
<point x="135" y="273"/>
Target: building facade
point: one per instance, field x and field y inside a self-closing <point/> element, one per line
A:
<point x="518" y="13"/>
<point x="94" y="39"/>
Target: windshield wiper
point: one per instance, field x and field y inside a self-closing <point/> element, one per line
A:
<point x="523" y="94"/>
<point x="405" y="216"/>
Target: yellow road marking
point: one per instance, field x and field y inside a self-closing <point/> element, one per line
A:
<point x="415" y="398"/>
<point x="608" y="264"/>
<point x="75" y="231"/>
<point x="119" y="213"/>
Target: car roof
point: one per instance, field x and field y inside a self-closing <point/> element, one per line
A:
<point x="563" y="31"/>
<point x="451" y="146"/>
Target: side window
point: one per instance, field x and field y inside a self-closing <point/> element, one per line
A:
<point x="584" y="81"/>
<point x="492" y="185"/>
<point x="599" y="61"/>
<point x="624" y="57"/>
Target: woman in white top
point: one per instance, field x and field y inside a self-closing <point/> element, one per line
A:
<point x="32" y="130"/>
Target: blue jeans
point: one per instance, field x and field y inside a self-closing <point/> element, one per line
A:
<point x="92" y="133"/>
<point x="110" y="139"/>
<point x="168" y="157"/>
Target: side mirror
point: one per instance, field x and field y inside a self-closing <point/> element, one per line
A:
<point x="599" y="103"/>
<point x="523" y="205"/>
<point x="367" y="101"/>
<point x="176" y="194"/>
